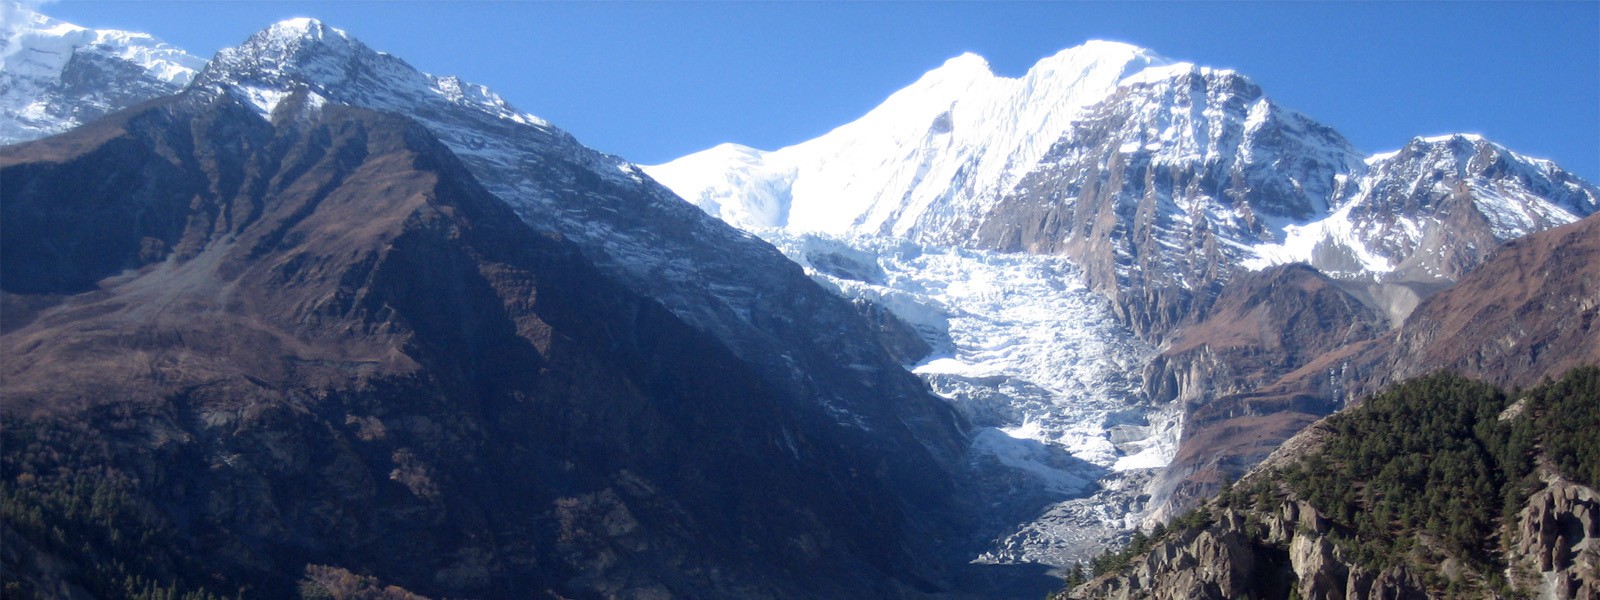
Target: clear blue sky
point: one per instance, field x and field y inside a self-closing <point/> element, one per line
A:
<point x="651" y="81"/>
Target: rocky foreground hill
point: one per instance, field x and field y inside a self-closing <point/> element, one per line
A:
<point x="1441" y="487"/>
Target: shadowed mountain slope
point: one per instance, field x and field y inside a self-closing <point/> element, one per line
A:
<point x="318" y="341"/>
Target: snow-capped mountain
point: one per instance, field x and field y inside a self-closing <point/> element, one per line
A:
<point x="1133" y="165"/>
<point x="1043" y="236"/>
<point x="918" y="166"/>
<point x="705" y="271"/>
<point x="810" y="346"/>
<point x="1149" y="182"/>
<point x="1432" y="209"/>
<point x="55" y="75"/>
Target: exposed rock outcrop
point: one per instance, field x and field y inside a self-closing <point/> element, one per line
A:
<point x="1255" y="555"/>
<point x="1557" y="537"/>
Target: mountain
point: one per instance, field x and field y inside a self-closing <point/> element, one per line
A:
<point x="714" y="277"/>
<point x="1525" y="315"/>
<point x="1092" y="265"/>
<point x="1427" y="213"/>
<point x="318" y="341"/>
<point x="1182" y="196"/>
<point x="1528" y="313"/>
<point x="1521" y="319"/>
<point x="1161" y="189"/>
<point x="55" y="75"/>
<point x="927" y="157"/>
<point x="1116" y="157"/>
<point x="322" y="317"/>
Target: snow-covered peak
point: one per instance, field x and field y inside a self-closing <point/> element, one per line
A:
<point x="967" y="65"/>
<point x="55" y="75"/>
<point x="936" y="151"/>
<point x="1096" y="56"/>
<point x="1431" y="209"/>
<point x="305" y="53"/>
<point x="292" y="39"/>
<point x="304" y="27"/>
<point x="1450" y="137"/>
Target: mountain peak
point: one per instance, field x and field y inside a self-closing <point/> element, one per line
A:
<point x="1096" y="55"/>
<point x="967" y="62"/>
<point x="35" y="45"/>
<point x="300" y="39"/>
<point x="1110" y="50"/>
<point x="960" y="72"/>
<point x="307" y="54"/>
<point x="1450" y="137"/>
<point x="304" y="27"/>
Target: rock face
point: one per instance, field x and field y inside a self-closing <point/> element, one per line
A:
<point x="1157" y="189"/>
<point x="1282" y="554"/>
<point x="1263" y="326"/>
<point x="1249" y="553"/>
<point x="1225" y="372"/>
<point x="317" y="340"/>
<point x="1526" y="314"/>
<point x="1558" y="537"/>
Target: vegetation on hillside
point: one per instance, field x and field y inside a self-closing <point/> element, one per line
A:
<point x="1429" y="470"/>
<point x="73" y="517"/>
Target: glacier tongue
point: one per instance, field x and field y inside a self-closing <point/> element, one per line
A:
<point x="1037" y="362"/>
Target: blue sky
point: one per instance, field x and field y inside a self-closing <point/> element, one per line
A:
<point x="651" y="81"/>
